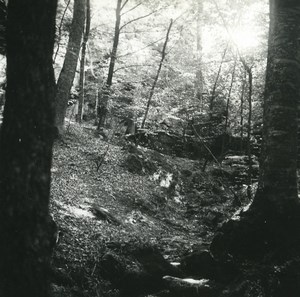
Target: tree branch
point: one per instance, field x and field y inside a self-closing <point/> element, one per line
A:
<point x="60" y="29"/>
<point x="134" y="65"/>
<point x="131" y="9"/>
<point x="139" y="18"/>
<point x="124" y="4"/>
<point x="128" y="54"/>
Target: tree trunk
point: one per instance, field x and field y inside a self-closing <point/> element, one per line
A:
<point x="104" y="93"/>
<point x="82" y="61"/>
<point x="249" y="132"/>
<point x="66" y="77"/>
<point x="213" y="93"/>
<point x="26" y="150"/>
<point x="60" y="30"/>
<point x="226" y="125"/>
<point x="242" y="110"/>
<point x="278" y="181"/>
<point x="163" y="55"/>
<point x="199" y="73"/>
<point x="113" y="55"/>
<point x="269" y="229"/>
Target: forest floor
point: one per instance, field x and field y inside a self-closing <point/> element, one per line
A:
<point x="174" y="206"/>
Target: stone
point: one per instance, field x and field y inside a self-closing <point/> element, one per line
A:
<point x="189" y="287"/>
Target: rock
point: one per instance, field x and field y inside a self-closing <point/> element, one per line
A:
<point x="189" y="287"/>
<point x="147" y="275"/>
<point x="58" y="291"/>
<point x="154" y="263"/>
<point x="132" y="149"/>
<point x="136" y="163"/>
<point x="200" y="263"/>
<point x="112" y="267"/>
<point x="103" y="214"/>
<point x="60" y="277"/>
<point x="136" y="283"/>
<point x="186" y="172"/>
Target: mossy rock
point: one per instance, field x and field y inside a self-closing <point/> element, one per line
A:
<point x="138" y="164"/>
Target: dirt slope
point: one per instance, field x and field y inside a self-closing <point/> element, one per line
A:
<point x="176" y="208"/>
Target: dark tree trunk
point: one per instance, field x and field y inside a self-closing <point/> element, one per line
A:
<point x="278" y="181"/>
<point x="113" y="55"/>
<point x="104" y="93"/>
<point x="82" y="61"/>
<point x="26" y="150"/>
<point x="66" y="77"/>
<point x="269" y="229"/>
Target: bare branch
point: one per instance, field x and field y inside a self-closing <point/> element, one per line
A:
<point x="60" y="29"/>
<point x="134" y="65"/>
<point x="139" y="18"/>
<point x="128" y="54"/>
<point x="131" y="9"/>
<point x="124" y="4"/>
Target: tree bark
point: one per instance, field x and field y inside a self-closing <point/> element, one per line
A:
<point x="163" y="55"/>
<point x="113" y="55"/>
<point x="26" y="150"/>
<point x="269" y="230"/>
<point x="82" y="61"/>
<point x="213" y="93"/>
<point x="278" y="180"/>
<point x="104" y="92"/>
<point x="199" y="73"/>
<point x="249" y="131"/>
<point x="242" y="110"/>
<point x="66" y="77"/>
<point x="226" y="125"/>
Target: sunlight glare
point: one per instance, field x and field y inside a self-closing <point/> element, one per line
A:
<point x="245" y="38"/>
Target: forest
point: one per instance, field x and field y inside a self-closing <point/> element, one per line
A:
<point x="149" y="148"/>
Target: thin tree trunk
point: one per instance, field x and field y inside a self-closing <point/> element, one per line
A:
<point x="104" y="93"/>
<point x="26" y="150"/>
<point x="227" y="108"/>
<point x="213" y="93"/>
<point x="113" y="55"/>
<point x="242" y="109"/>
<point x="249" y="132"/>
<point x="66" y="77"/>
<point x="82" y="61"/>
<point x="229" y="96"/>
<point x="199" y="73"/>
<point x="163" y="55"/>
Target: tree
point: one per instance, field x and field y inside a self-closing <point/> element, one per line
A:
<point x="66" y="77"/>
<point x="199" y="74"/>
<point x="271" y="224"/>
<point x="26" y="149"/>
<point x="163" y="56"/>
<point x="82" y="60"/>
<point x="105" y="91"/>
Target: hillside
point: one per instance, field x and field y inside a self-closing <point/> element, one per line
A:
<point x="168" y="204"/>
